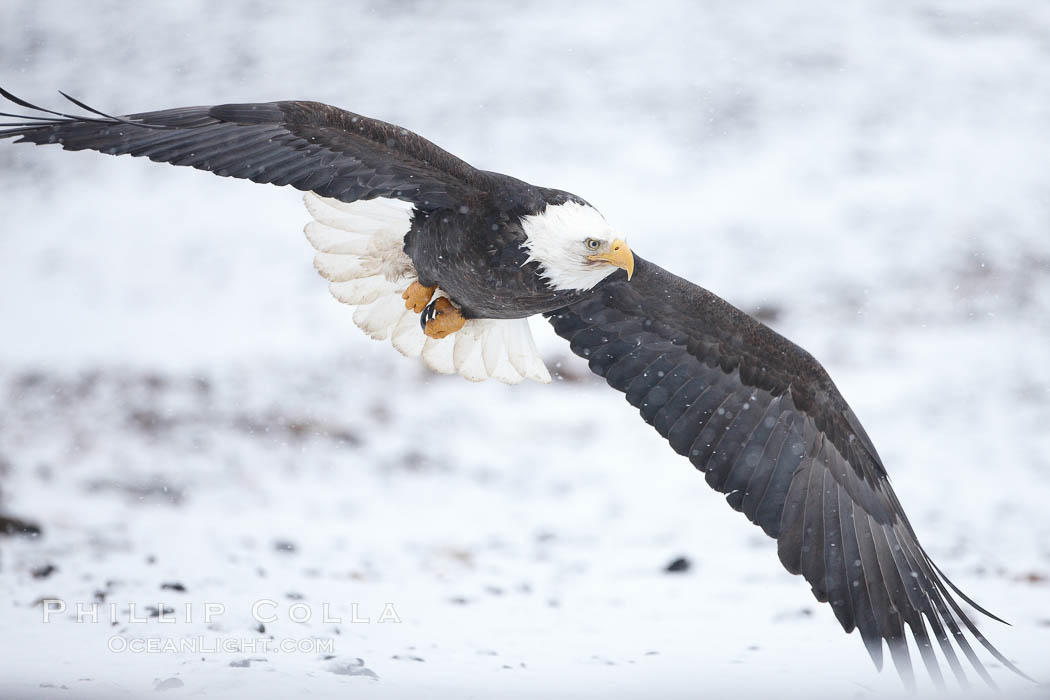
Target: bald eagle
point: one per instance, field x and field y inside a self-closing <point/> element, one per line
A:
<point x="448" y="262"/>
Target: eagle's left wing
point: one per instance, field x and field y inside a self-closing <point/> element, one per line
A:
<point x="311" y="146"/>
<point x="765" y="422"/>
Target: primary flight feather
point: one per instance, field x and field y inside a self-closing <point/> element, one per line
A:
<point x="448" y="262"/>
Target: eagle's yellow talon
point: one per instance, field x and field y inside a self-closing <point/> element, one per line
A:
<point x="446" y="319"/>
<point x="417" y="296"/>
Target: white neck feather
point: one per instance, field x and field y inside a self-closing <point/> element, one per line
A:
<point x="555" y="239"/>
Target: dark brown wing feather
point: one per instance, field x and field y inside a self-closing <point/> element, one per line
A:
<point x="307" y="145"/>
<point x="764" y="421"/>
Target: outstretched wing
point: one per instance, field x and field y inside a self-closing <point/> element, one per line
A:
<point x="763" y="420"/>
<point x="307" y="145"/>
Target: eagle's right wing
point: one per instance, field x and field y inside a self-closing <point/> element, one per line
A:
<point x="763" y="420"/>
<point x="308" y="145"/>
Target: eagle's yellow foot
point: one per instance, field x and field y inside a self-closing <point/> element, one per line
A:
<point x="417" y="296"/>
<point x="440" y="318"/>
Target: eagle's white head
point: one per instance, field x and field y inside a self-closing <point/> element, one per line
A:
<point x="575" y="247"/>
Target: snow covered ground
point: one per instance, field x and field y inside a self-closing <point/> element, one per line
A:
<point x="191" y="420"/>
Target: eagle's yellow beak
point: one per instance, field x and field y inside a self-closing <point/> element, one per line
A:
<point x="619" y="255"/>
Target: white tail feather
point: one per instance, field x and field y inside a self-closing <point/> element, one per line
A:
<point x="332" y="240"/>
<point x="467" y="354"/>
<point x="437" y="355"/>
<point x="380" y="317"/>
<point x="408" y="337"/>
<point x="521" y="349"/>
<point x="497" y="364"/>
<point x="343" y="268"/>
<point x="360" y="251"/>
<point x="362" y="291"/>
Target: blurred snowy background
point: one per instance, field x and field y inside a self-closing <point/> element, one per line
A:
<point x="188" y="417"/>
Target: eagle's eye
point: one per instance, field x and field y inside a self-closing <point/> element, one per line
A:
<point x="593" y="243"/>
